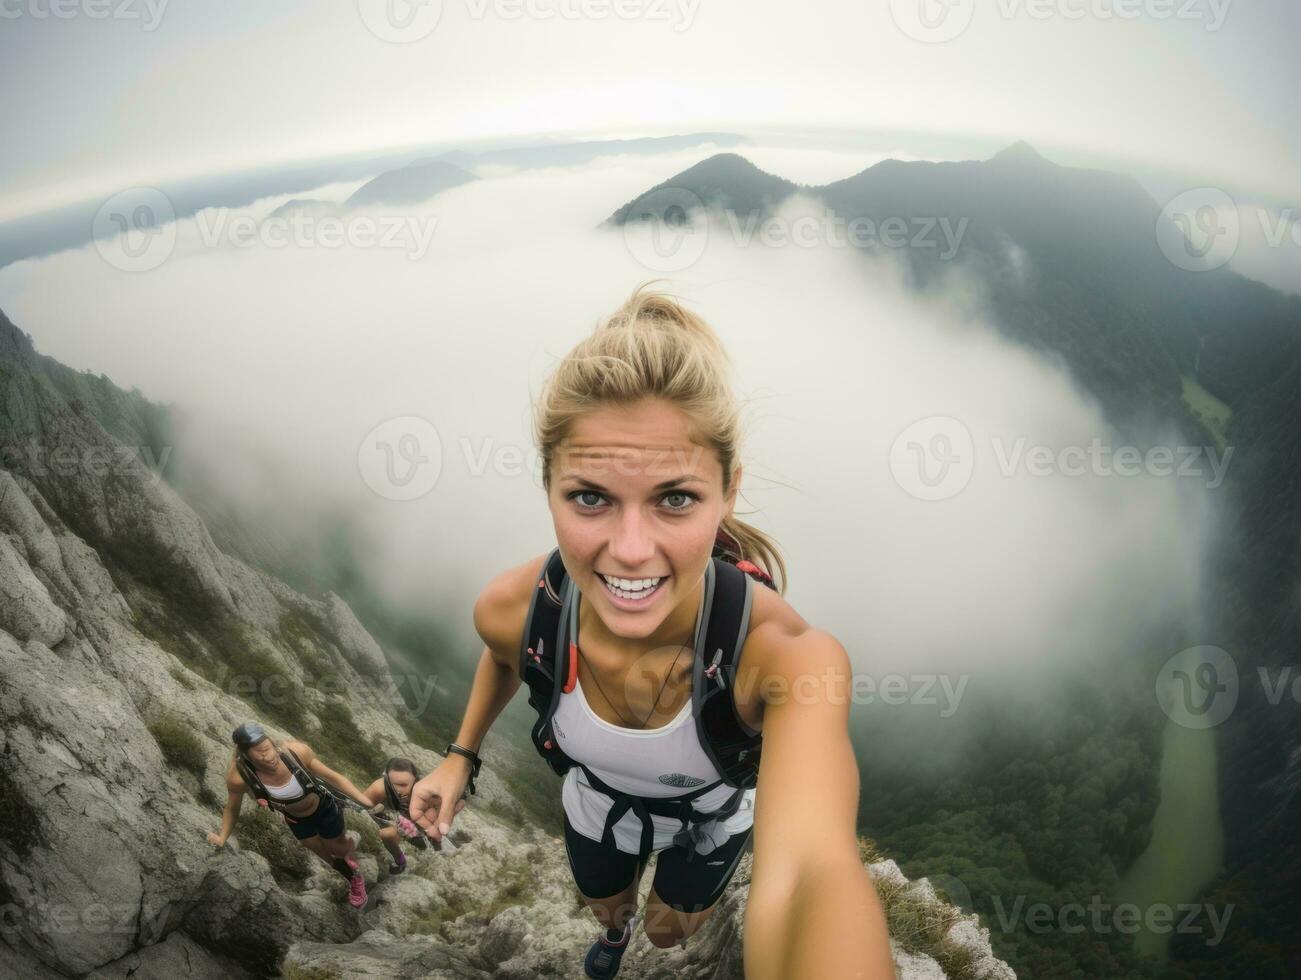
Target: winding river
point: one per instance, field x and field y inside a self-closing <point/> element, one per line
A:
<point x="1187" y="841"/>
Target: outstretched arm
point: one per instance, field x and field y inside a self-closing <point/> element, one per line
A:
<point x="436" y="799"/>
<point x="813" y="910"/>
<point x="374" y="793"/>
<point x="318" y="768"/>
<point x="234" y="797"/>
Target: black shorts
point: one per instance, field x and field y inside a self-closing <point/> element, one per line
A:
<point x="687" y="886"/>
<point x="326" y="821"/>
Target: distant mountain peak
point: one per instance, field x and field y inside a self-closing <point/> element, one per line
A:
<point x="1020" y="150"/>
<point x="724" y="182"/>
<point x="728" y="159"/>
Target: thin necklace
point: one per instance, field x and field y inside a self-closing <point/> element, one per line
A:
<point x="591" y="670"/>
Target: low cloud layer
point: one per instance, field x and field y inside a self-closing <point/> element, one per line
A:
<point x="293" y="360"/>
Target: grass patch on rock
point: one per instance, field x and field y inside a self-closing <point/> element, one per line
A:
<point x="342" y="745"/>
<point x="367" y="832"/>
<point x="311" y="973"/>
<point x="308" y="641"/>
<point x="179" y="745"/>
<point x="920" y="925"/>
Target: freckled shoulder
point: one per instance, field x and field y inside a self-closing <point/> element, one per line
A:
<point x="502" y="608"/>
<point x="774" y="623"/>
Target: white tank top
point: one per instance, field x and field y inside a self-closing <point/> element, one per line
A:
<point x="285" y="791"/>
<point x="665" y="761"/>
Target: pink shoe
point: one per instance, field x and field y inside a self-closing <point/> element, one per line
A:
<point x="357" y="891"/>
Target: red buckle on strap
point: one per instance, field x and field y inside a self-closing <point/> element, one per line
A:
<point x="753" y="569"/>
<point x="572" y="678"/>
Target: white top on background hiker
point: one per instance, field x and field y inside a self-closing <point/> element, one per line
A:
<point x="286" y="791"/>
<point x="663" y="762"/>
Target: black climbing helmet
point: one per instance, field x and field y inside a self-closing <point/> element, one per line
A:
<point x="248" y="735"/>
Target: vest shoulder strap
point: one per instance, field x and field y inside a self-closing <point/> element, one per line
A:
<point x="544" y="655"/>
<point x="543" y="623"/>
<point x="253" y="781"/>
<point x="250" y="777"/>
<point x="721" y="628"/>
<point x="732" y="745"/>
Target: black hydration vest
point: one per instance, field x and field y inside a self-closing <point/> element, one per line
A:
<point x="306" y="780"/>
<point x="547" y="654"/>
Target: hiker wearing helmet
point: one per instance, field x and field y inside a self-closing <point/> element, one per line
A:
<point x="290" y="779"/>
<point x="691" y="710"/>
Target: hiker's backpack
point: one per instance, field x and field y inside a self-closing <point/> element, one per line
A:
<point x="547" y="653"/>
<point x="306" y="780"/>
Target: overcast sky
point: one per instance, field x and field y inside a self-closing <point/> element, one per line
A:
<point x="1198" y="88"/>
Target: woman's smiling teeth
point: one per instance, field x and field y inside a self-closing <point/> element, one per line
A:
<point x="631" y="588"/>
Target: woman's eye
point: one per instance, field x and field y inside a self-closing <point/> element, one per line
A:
<point x="586" y="493"/>
<point x="687" y="499"/>
<point x="684" y="500"/>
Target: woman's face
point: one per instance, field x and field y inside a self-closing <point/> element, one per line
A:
<point x="633" y="498"/>
<point x="263" y="754"/>
<point x="401" y="783"/>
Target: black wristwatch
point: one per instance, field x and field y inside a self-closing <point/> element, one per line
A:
<point x="473" y="757"/>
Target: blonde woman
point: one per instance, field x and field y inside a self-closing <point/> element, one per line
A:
<point x="687" y="705"/>
<point x="292" y="780"/>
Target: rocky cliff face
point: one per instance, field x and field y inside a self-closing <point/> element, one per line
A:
<point x="130" y="647"/>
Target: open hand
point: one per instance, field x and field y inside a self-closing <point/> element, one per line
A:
<point x="436" y="799"/>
